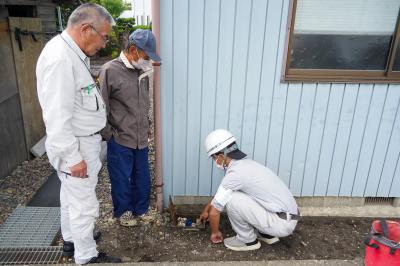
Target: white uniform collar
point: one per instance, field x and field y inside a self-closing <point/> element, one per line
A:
<point x="75" y="46"/>
<point x="126" y="61"/>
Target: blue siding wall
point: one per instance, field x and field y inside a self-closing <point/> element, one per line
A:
<point x="222" y="63"/>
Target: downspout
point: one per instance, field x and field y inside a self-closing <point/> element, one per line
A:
<point x="155" y="13"/>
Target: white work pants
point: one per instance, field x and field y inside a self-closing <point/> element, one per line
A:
<point x="79" y="205"/>
<point x="246" y="216"/>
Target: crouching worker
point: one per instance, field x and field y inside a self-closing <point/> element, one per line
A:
<point x="259" y="205"/>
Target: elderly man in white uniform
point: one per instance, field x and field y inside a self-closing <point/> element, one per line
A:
<point x="74" y="113"/>
<point x="259" y="205"/>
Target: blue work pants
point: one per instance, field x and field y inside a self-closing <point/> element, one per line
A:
<point x="130" y="178"/>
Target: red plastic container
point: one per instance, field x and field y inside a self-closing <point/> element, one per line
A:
<point x="383" y="244"/>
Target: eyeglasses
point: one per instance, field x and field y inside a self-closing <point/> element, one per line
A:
<point x="104" y="38"/>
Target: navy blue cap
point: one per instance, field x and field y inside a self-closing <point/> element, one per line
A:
<point x="145" y="40"/>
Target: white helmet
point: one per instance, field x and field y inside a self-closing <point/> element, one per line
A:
<point x="218" y="140"/>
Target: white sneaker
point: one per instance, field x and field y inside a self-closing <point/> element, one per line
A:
<point x="267" y="238"/>
<point x="237" y="245"/>
<point x="127" y="219"/>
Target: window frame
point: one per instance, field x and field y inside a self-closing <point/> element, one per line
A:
<point x="331" y="75"/>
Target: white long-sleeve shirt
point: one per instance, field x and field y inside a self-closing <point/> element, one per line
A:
<point x="71" y="102"/>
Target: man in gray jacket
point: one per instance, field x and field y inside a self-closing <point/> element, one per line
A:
<point x="124" y="83"/>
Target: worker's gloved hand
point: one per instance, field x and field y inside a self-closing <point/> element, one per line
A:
<point x="79" y="170"/>
<point x="217" y="237"/>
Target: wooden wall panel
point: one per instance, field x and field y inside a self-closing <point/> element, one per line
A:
<point x="8" y="82"/>
<point x="25" y="65"/>
<point x="12" y="144"/>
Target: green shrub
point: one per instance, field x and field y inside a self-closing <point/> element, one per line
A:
<point x="122" y="29"/>
<point x="123" y="26"/>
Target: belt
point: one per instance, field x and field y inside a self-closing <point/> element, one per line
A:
<point x="91" y="135"/>
<point x="94" y="134"/>
<point x="288" y="216"/>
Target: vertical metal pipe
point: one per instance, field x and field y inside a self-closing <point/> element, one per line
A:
<point x="60" y="25"/>
<point x="155" y="13"/>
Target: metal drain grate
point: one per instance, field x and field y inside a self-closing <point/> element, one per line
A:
<point x="39" y="255"/>
<point x="378" y="201"/>
<point x="30" y="227"/>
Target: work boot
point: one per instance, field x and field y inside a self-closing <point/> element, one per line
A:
<point x="267" y="238"/>
<point x="103" y="258"/>
<point x="127" y="219"/>
<point x="237" y="245"/>
<point x="69" y="248"/>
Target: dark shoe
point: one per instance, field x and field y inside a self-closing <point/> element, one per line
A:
<point x="103" y="258"/>
<point x="68" y="249"/>
<point x="267" y="238"/>
<point x="96" y="235"/>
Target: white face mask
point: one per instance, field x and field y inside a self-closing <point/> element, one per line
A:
<point x="144" y="64"/>
<point x="219" y="166"/>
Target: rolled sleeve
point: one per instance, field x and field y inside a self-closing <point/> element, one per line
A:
<point x="221" y="198"/>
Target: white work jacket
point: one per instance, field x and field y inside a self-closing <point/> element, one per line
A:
<point x="71" y="102"/>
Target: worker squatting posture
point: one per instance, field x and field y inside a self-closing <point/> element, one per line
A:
<point x="259" y="205"/>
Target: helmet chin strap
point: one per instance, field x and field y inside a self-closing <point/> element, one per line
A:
<point x="223" y="162"/>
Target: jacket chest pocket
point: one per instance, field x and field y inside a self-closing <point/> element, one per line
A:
<point x="89" y="99"/>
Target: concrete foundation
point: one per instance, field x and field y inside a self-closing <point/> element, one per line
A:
<point x="323" y="206"/>
<point x="396" y="202"/>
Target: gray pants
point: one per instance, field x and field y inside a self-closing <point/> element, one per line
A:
<point x="246" y="216"/>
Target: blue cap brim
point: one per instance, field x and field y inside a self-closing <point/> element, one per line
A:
<point x="153" y="56"/>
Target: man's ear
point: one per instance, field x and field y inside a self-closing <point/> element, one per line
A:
<point x="85" y="27"/>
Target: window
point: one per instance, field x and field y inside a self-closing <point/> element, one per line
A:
<point x="21" y="11"/>
<point x="343" y="40"/>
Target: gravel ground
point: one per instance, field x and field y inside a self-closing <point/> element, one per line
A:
<point x="19" y="187"/>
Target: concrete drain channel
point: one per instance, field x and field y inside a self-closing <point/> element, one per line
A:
<point x="27" y="235"/>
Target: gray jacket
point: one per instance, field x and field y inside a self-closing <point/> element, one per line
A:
<point x="127" y="103"/>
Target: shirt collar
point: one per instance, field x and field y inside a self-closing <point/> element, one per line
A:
<point x="125" y="61"/>
<point x="75" y="46"/>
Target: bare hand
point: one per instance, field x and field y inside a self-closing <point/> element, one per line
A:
<point x="204" y="216"/>
<point x="79" y="170"/>
<point x="216" y="237"/>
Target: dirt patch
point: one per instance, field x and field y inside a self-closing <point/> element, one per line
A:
<point x="155" y="239"/>
<point x="314" y="238"/>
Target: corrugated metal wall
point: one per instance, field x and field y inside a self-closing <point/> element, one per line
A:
<point x="222" y="64"/>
